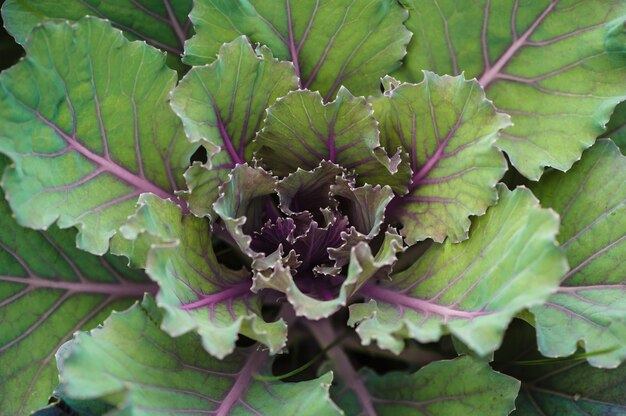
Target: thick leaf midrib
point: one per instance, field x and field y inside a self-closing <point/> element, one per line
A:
<point x="242" y="382"/>
<point x="141" y="184"/>
<point x="490" y="74"/>
<point x="125" y="289"/>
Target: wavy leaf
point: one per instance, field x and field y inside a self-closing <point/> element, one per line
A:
<point x="161" y="23"/>
<point x="555" y="388"/>
<point x="473" y="288"/>
<point x="557" y="67"/>
<point x="70" y="113"/>
<point x="49" y="290"/>
<point x="590" y="305"/>
<point x="437" y="389"/>
<point x="301" y="131"/>
<point x="196" y="291"/>
<point x="448" y="129"/>
<point x="330" y="42"/>
<point x="363" y="266"/>
<point x="224" y="103"/>
<point x="129" y="363"/>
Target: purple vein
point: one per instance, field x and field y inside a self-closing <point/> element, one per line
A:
<point x="242" y="382"/>
<point x="514" y="20"/>
<point x="490" y="74"/>
<point x="395" y="298"/>
<point x="419" y="176"/>
<point x="455" y="67"/>
<point x="592" y="257"/>
<point x="483" y="36"/>
<point x="178" y="30"/>
<point x="125" y="289"/>
<point x="293" y="49"/>
<point x="233" y="292"/>
<point x="138" y="183"/>
<point x="324" y="334"/>
<point x="308" y="26"/>
<point x="67" y="258"/>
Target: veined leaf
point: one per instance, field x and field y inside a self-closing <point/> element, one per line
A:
<point x="473" y="288"/>
<point x="224" y="103"/>
<point x="69" y="114"/>
<point x="590" y="305"/>
<point x="557" y="67"/>
<point x="196" y="292"/>
<point x="49" y="290"/>
<point x="301" y="131"/>
<point x="330" y="42"/>
<point x="437" y="389"/>
<point x="161" y="23"/>
<point x="555" y="388"/>
<point x="448" y="129"/>
<point x="135" y="366"/>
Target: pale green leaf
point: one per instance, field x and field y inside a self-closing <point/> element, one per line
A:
<point x="330" y="42"/>
<point x="448" y="129"/>
<point x="557" y="67"/>
<point x="224" y="103"/>
<point x="301" y="130"/>
<point x="86" y="122"/>
<point x="49" y="290"/>
<point x="196" y="291"/>
<point x="590" y="305"/>
<point x="132" y="364"/>
<point x="472" y="289"/>
<point x="161" y="23"/>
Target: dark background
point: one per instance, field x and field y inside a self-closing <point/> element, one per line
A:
<point x="10" y="51"/>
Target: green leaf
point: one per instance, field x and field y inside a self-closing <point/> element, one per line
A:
<point x="448" y="129"/>
<point x="616" y="129"/>
<point x="196" y="291"/>
<point x="473" y="288"/>
<point x="163" y="24"/>
<point x="437" y="389"/>
<point x="301" y="130"/>
<point x="224" y="104"/>
<point x="330" y="42"/>
<point x="49" y="290"/>
<point x="362" y="267"/>
<point x="558" y="388"/>
<point x="557" y="67"/>
<point x="590" y="305"/>
<point x="85" y="120"/>
<point x="135" y="366"/>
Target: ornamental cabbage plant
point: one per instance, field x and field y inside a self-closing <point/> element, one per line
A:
<point x="313" y="207"/>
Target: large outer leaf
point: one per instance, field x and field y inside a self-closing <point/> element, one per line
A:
<point x="49" y="290"/>
<point x="558" y="67"/>
<point x="86" y="122"/>
<point x="132" y="364"/>
<point x="161" y="23"/>
<point x="463" y="386"/>
<point x="554" y="388"/>
<point x="301" y="130"/>
<point x="473" y="288"/>
<point x="224" y="103"/>
<point x="196" y="292"/>
<point x="447" y="128"/>
<point x="590" y="306"/>
<point x="330" y="42"/>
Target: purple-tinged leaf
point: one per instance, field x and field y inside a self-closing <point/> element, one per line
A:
<point x="161" y="23"/>
<point x="224" y="104"/>
<point x="590" y="305"/>
<point x="557" y="67"/>
<point x="196" y="291"/>
<point x="49" y="290"/>
<point x="473" y="288"/>
<point x="448" y="128"/>
<point x="330" y="42"/>
<point x="301" y="131"/>
<point x="85" y="120"/>
<point x="133" y="365"/>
